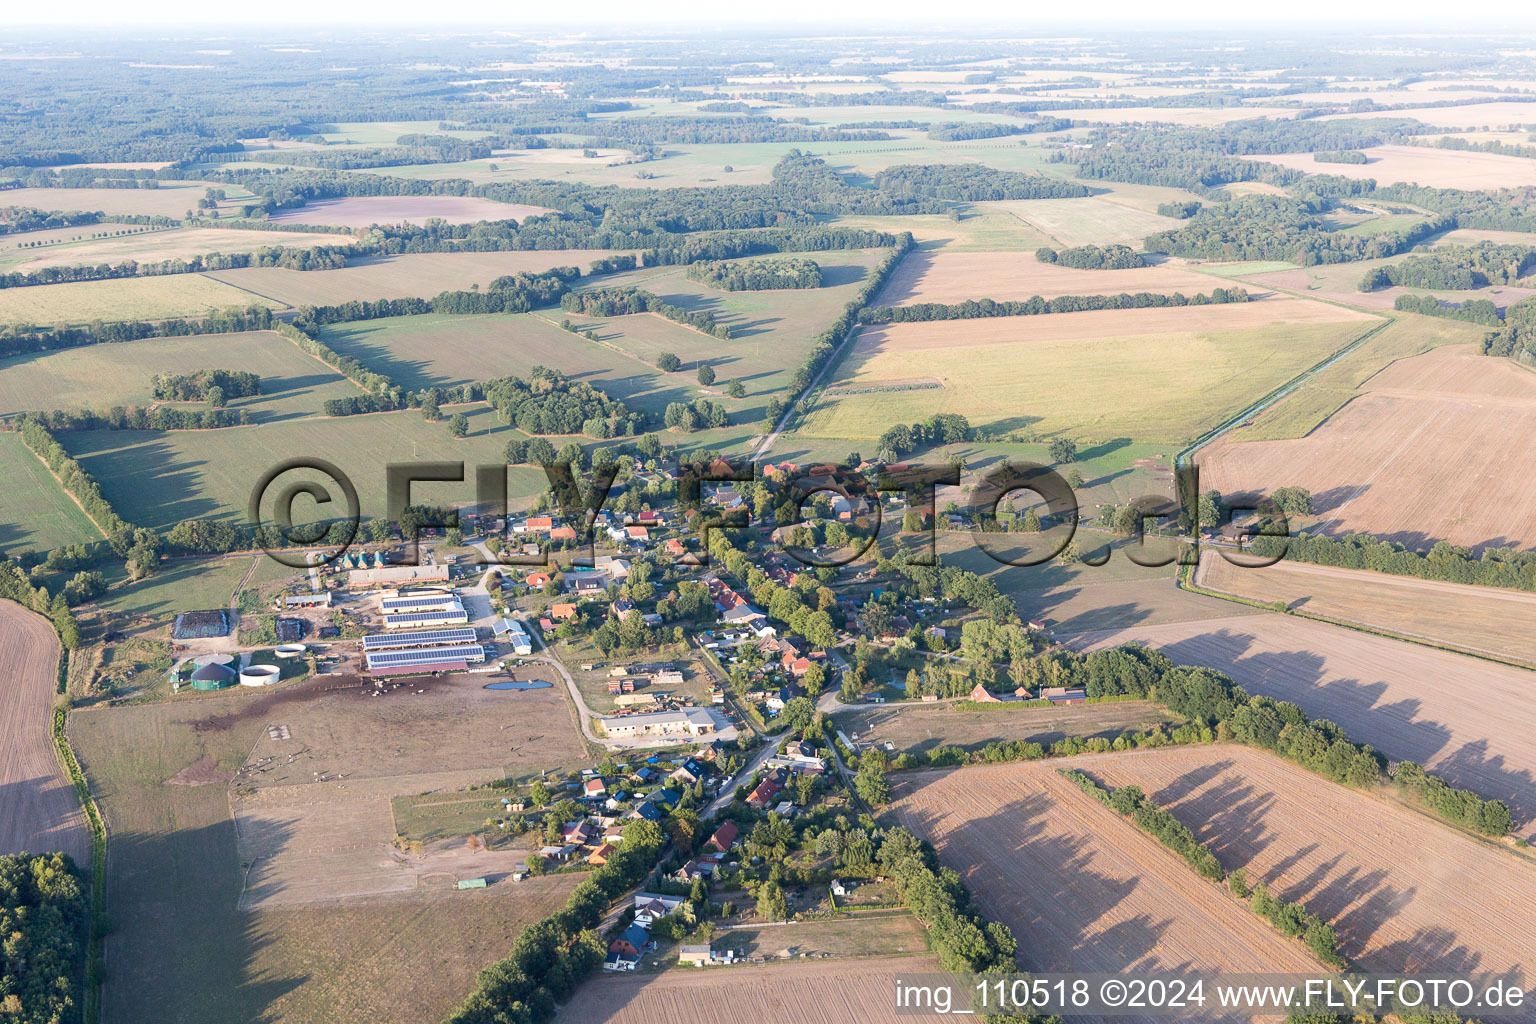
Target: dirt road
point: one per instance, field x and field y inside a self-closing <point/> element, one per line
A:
<point x="38" y="809"/>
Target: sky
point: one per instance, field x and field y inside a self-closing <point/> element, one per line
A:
<point x="802" y="15"/>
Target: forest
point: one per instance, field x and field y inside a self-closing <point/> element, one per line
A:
<point x="758" y="274"/>
<point x="43" y="916"/>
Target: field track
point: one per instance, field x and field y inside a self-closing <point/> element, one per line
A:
<point x="1405" y="893"/>
<point x="1082" y="889"/>
<point x="39" y="811"/>
<point x="785" y="993"/>
<point x="1472" y="721"/>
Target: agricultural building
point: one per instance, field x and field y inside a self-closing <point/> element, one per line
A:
<point x="201" y="625"/>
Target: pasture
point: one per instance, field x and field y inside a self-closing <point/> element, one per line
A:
<point x="42" y="812"/>
<point x="417" y="275"/>
<point x="919" y="727"/>
<point x="1471" y="721"/>
<point x="1144" y="374"/>
<point x="36" y="513"/>
<point x="1094" y="220"/>
<point x="129" y="298"/>
<point x="158" y="479"/>
<point x="951" y="277"/>
<point x="98" y="377"/>
<point x="1082" y="888"/>
<point x="1419" y="455"/>
<point x="979" y="228"/>
<point x="395" y="958"/>
<point x="361" y="211"/>
<point x="146" y="246"/>
<point x="1485" y="620"/>
<point x="1406" y="894"/>
<point x="786" y="992"/>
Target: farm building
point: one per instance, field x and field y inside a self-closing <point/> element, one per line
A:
<point x="419" y="601"/>
<point x="320" y="600"/>
<point x="429" y="638"/>
<point x="687" y="722"/>
<point x="513" y="633"/>
<point x="420" y="662"/>
<point x="395" y="575"/>
<point x="428" y="619"/>
<point x="201" y="625"/>
<point x="980" y="695"/>
<point x="1062" y="695"/>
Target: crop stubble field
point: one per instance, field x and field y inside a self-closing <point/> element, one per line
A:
<point x="1405" y="893"/>
<point x="127" y="298"/>
<point x="148" y="246"/>
<point x="1438" y="168"/>
<point x="787" y="992"/>
<point x="922" y="727"/>
<point x="1420" y="455"/>
<point x="1082" y="889"/>
<point x="1142" y="374"/>
<point x="955" y="277"/>
<point x="1472" y="721"/>
<point x="361" y="211"/>
<point x="42" y="812"/>
<point x="1487" y="620"/>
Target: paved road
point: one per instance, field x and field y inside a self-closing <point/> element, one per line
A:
<point x="767" y="443"/>
<point x="728" y="791"/>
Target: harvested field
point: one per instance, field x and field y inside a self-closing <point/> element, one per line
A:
<point x="420" y="275"/>
<point x="1187" y="115"/>
<point x="786" y="992"/>
<point x="1485" y="620"/>
<point x="1339" y="282"/>
<point x="984" y="229"/>
<point x="1470" y="116"/>
<point x="1089" y="221"/>
<point x="918" y="727"/>
<point x="1146" y="374"/>
<point x="129" y="298"/>
<point x="1082" y="888"/>
<point x="102" y="376"/>
<point x="1421" y="455"/>
<point x="955" y="277"/>
<point x="149" y="246"/>
<point x="36" y="513"/>
<point x="1472" y="721"/>
<point x="1405" y="894"/>
<point x="361" y="211"/>
<point x="1421" y="165"/>
<point x="42" y="813"/>
<point x="171" y="199"/>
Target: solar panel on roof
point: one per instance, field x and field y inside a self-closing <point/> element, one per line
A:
<point x="387" y="641"/>
<point x="394" y="659"/>
<point x="400" y="604"/>
<point x="416" y="618"/>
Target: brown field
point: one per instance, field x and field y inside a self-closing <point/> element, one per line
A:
<point x="921" y="727"/>
<point x="360" y="212"/>
<point x="151" y="246"/>
<point x="1093" y="220"/>
<point x="447" y="724"/>
<point x="396" y="960"/>
<point x="955" y="277"/>
<point x="1082" y="889"/>
<point x="1108" y="323"/>
<point x="1422" y="455"/>
<point x="172" y="199"/>
<point x="1405" y="894"/>
<point x="419" y="275"/>
<point x="785" y="993"/>
<point x="1440" y="168"/>
<point x="1485" y="620"/>
<point x="1472" y="721"/>
<point x="42" y="813"/>
<point x="1470" y="116"/>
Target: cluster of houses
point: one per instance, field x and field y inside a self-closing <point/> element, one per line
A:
<point x="1055" y="694"/>
<point x="625" y="950"/>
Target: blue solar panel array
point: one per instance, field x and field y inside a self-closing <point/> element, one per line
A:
<point x="402" y="604"/>
<point x="447" y="615"/>
<point x="433" y="655"/>
<point x="435" y="637"/>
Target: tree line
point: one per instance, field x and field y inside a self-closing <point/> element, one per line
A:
<point x="288" y="258"/>
<point x="1092" y="257"/>
<point x="1474" y="311"/>
<point x="1458" y="267"/>
<point x="609" y="302"/>
<point x="1507" y="567"/>
<point x="757" y="274"/>
<point x="972" y="309"/>
<point x="973" y="183"/>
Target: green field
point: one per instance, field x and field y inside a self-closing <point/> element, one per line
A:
<point x="1161" y="387"/>
<point x="35" y="512"/>
<point x="187" y="584"/>
<point x="977" y="227"/>
<point x="101" y="376"/>
<point x="129" y="298"/>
